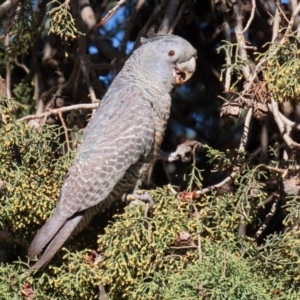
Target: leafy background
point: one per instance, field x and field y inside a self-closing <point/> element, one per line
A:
<point x="224" y="225"/>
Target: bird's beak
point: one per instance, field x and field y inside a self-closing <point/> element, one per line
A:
<point x="184" y="71"/>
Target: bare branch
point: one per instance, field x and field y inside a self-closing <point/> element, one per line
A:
<point x="198" y="234"/>
<point x="226" y="30"/>
<point x="169" y="17"/>
<point x="62" y="109"/>
<point x="239" y="31"/>
<point x="159" y="9"/>
<point x="244" y="138"/>
<point x="130" y="24"/>
<point x="21" y="65"/>
<point x="269" y="216"/>
<point x="281" y="127"/>
<point x="111" y="13"/>
<point x="85" y="71"/>
<point x="8" y="72"/>
<point x="181" y="10"/>
<point x="65" y="129"/>
<point x="263" y="61"/>
<point x="251" y="16"/>
<point x="7" y="6"/>
<point x="87" y="13"/>
<point x="218" y="186"/>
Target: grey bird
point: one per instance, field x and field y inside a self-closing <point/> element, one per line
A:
<point x="121" y="141"/>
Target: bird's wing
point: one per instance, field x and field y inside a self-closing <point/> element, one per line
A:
<point x="120" y="134"/>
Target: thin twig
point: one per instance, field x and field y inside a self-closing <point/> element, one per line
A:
<point x="65" y="129"/>
<point x="251" y="16"/>
<point x="276" y="23"/>
<point x="171" y="189"/>
<point x="226" y="30"/>
<point x="184" y="247"/>
<point x="21" y="65"/>
<point x="278" y="6"/>
<point x="198" y="234"/>
<point x="289" y="141"/>
<point x="130" y="25"/>
<point x="244" y="138"/>
<point x="274" y="169"/>
<point x="159" y="9"/>
<point x="86" y="77"/>
<point x="264" y="60"/>
<point x="169" y="17"/>
<point x="8" y="71"/>
<point x="269" y="216"/>
<point x="7" y="6"/>
<point x="111" y="13"/>
<point x="239" y="31"/>
<point x="218" y="186"/>
<point x="224" y="265"/>
<point x="62" y="109"/>
<point x="181" y="10"/>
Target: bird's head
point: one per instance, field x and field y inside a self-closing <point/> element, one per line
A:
<point x="168" y="59"/>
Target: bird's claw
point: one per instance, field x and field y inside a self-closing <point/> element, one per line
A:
<point x="185" y="151"/>
<point x="138" y="197"/>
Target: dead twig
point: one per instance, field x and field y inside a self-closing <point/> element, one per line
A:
<point x="171" y="189"/>
<point x="169" y="17"/>
<point x="198" y="234"/>
<point x="85" y="72"/>
<point x="110" y="13"/>
<point x="159" y="9"/>
<point x="239" y="31"/>
<point x="218" y="186"/>
<point x="283" y="130"/>
<point x="181" y="10"/>
<point x="7" y="6"/>
<point x="65" y="129"/>
<point x="268" y="217"/>
<point x="244" y="138"/>
<point x="62" y="109"/>
<point x="251" y="16"/>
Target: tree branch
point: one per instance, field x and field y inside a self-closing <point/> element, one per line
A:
<point x="110" y="13"/>
<point x="7" y="6"/>
<point x="62" y="109"/>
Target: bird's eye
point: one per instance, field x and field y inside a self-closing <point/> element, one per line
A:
<point x="171" y="53"/>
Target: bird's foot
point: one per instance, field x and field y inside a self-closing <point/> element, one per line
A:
<point x="138" y="198"/>
<point x="183" y="152"/>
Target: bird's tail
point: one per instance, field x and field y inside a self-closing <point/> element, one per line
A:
<point x="52" y="235"/>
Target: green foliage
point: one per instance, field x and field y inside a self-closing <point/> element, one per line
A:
<point x="220" y="275"/>
<point x="22" y="29"/>
<point x="282" y="69"/>
<point x="61" y="21"/>
<point x="24" y="94"/>
<point x="13" y="280"/>
<point x="139" y="251"/>
<point x="77" y="278"/>
<point x="142" y="253"/>
<point x="233" y="60"/>
<point x="224" y="160"/>
<point x="33" y="170"/>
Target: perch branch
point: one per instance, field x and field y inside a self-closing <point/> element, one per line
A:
<point x="62" y="109"/>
